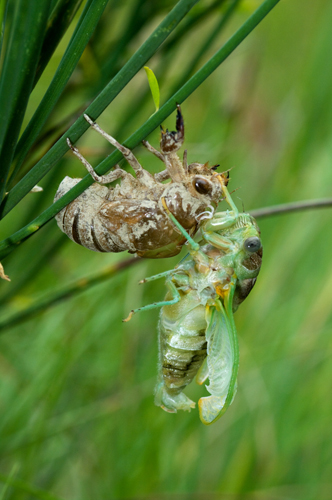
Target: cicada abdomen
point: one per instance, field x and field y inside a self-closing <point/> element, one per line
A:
<point x="131" y="216"/>
<point x="182" y="350"/>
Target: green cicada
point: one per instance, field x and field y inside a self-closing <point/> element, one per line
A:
<point x="197" y="330"/>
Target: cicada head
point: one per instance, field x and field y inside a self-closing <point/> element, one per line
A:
<point x="246" y="235"/>
<point x="204" y="181"/>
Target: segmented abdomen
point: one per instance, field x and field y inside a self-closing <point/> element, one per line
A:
<point x="182" y="344"/>
<point x="103" y="225"/>
<point x="79" y="220"/>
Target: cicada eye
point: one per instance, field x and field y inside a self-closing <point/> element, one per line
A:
<point x="252" y="244"/>
<point x="202" y="185"/>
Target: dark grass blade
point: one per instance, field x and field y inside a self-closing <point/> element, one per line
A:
<point x="206" y="45"/>
<point x="59" y="20"/>
<point x="129" y="70"/>
<point x="3" y="14"/>
<point x="67" y="292"/>
<point x="66" y="67"/>
<point x="23" y="49"/>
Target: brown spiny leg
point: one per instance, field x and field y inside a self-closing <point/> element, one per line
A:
<point x="154" y="151"/>
<point x="142" y="175"/>
<point x="102" y="179"/>
<point x="170" y="143"/>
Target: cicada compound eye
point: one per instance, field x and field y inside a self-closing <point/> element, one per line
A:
<point x="252" y="244"/>
<point x="202" y="186"/>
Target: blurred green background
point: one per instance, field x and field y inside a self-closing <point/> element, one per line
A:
<point x="77" y="418"/>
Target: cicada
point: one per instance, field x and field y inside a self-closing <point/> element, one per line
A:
<point x="197" y="333"/>
<point x="131" y="216"/>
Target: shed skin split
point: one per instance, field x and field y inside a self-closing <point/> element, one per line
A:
<point x="130" y="216"/>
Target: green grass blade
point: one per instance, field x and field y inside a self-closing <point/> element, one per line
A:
<point x="67" y="292"/>
<point x="60" y="18"/>
<point x="129" y="70"/>
<point x="3" y="12"/>
<point x="27" y="488"/>
<point x="207" y="44"/>
<point x="18" y="73"/>
<point x="138" y="17"/>
<point x="196" y="17"/>
<point x="296" y="206"/>
<point x="123" y="122"/>
<point x="61" y="77"/>
<point x="7" y="245"/>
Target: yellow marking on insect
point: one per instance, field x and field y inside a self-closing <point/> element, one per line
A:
<point x="222" y="290"/>
<point x="163" y="201"/>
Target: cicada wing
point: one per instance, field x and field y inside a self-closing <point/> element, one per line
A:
<point x="202" y="373"/>
<point x="222" y="361"/>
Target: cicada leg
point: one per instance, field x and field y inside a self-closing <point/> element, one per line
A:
<point x="176" y="298"/>
<point x="156" y="276"/>
<point x="102" y="179"/>
<point x="154" y="151"/>
<point x="194" y="246"/>
<point x="200" y="257"/>
<point x="2" y="273"/>
<point x="142" y="175"/>
<point x="172" y="141"/>
<point x="218" y="241"/>
<point x="164" y="175"/>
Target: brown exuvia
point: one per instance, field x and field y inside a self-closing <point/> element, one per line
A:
<point x="131" y="216"/>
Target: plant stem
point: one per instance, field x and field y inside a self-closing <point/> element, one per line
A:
<point x="70" y="291"/>
<point x="296" y="206"/>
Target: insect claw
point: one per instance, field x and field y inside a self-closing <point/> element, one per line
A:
<point x="179" y="121"/>
<point x="130" y="315"/>
<point x="2" y="273"/>
<point x="88" y="119"/>
<point x="172" y="141"/>
<point x="214" y="167"/>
